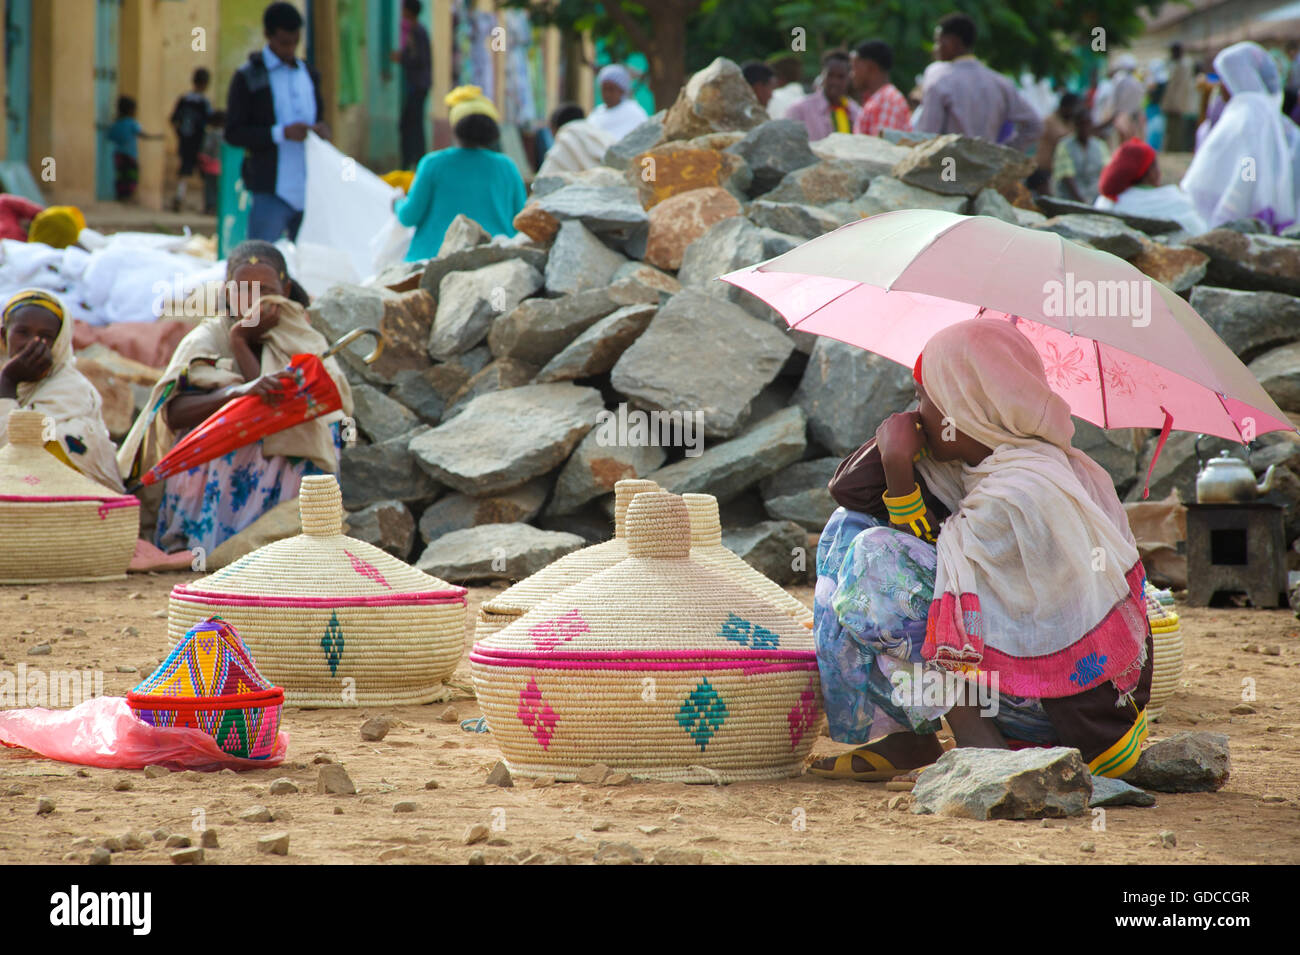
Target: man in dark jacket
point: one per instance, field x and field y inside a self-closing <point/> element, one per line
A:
<point x="274" y="101"/>
<point x="417" y="77"/>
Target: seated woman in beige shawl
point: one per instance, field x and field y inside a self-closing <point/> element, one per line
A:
<point x="38" y="373"/>
<point x="241" y="352"/>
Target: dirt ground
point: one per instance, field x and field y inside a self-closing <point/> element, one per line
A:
<point x="1253" y="820"/>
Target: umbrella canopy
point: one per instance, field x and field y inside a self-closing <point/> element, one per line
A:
<point x="242" y="421"/>
<point x="1121" y="348"/>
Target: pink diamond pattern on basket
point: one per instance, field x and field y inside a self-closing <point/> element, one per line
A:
<point x="536" y="713"/>
<point x="367" y="569"/>
<point x="31" y="479"/>
<point x="549" y="634"/>
<point x="803" y="715"/>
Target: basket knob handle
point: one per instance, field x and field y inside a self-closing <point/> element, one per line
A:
<point x="27" y="428"/>
<point x="658" y="526"/>
<point x="706" y="526"/>
<point x="624" y="491"/>
<point x="320" y="504"/>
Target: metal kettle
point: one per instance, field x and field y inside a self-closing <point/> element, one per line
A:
<point x="1229" y="480"/>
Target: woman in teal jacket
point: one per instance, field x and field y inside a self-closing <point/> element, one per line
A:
<point x="470" y="179"/>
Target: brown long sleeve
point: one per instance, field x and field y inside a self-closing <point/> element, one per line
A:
<point x="859" y="484"/>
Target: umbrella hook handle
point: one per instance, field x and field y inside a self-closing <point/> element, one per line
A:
<point x="349" y="337"/>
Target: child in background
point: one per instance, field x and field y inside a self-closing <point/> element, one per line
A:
<point x="123" y="134"/>
<point x="190" y="120"/>
<point x="210" y="160"/>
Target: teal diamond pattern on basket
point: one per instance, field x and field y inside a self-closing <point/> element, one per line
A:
<point x="702" y="714"/>
<point x="332" y="643"/>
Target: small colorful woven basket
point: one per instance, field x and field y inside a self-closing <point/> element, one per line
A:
<point x="519" y="598"/>
<point x="658" y="666"/>
<point x="335" y="621"/>
<point x="1167" y="643"/>
<point x="209" y="682"/>
<point x="56" y="524"/>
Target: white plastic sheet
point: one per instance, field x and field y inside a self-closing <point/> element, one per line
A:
<point x="349" y="231"/>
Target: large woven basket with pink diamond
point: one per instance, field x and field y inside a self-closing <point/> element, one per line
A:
<point x="659" y="666"/>
<point x="333" y="620"/>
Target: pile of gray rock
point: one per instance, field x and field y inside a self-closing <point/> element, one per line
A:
<point x="522" y="378"/>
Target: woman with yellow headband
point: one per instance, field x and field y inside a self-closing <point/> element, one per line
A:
<point x="38" y="373"/>
<point x="469" y="179"/>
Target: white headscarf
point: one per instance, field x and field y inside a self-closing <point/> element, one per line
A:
<point x="67" y="397"/>
<point x="1038" y="576"/>
<point x="1249" y="163"/>
<point x="617" y="74"/>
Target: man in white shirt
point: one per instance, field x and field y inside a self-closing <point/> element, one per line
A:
<point x="618" y="114"/>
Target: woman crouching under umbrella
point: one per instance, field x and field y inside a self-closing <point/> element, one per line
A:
<point x="239" y="352"/>
<point x="972" y="538"/>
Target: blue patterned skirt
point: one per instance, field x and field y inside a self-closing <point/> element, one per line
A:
<point x="874" y="587"/>
<point x="209" y="504"/>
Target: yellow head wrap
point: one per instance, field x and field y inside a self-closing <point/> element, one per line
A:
<point x="468" y="100"/>
<point x="32" y="296"/>
<point x="57" y="226"/>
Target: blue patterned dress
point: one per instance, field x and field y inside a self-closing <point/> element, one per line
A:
<point x="211" y="503"/>
<point x="874" y="587"/>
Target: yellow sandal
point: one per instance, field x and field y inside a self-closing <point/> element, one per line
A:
<point x="883" y="770"/>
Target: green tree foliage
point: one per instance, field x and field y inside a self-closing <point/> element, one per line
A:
<point x="1041" y="36"/>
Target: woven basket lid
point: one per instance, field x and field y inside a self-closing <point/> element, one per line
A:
<point x="27" y="470"/>
<point x="656" y="601"/>
<point x="576" y="567"/>
<point x="707" y="549"/>
<point x="321" y="561"/>
<point x="211" y="661"/>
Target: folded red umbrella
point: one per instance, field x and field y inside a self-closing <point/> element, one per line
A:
<point x="241" y="421"/>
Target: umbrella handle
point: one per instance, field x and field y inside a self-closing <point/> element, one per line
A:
<point x="349" y="337"/>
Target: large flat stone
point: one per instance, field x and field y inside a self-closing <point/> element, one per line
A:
<point x="645" y="136"/>
<point x="962" y="166"/>
<point x="505" y="439"/>
<point x="580" y="261"/>
<point x="772" y="150"/>
<point x="599" y="348"/>
<point x="1188" y="762"/>
<point x="776" y="549"/>
<point x="457" y="511"/>
<point x="702" y="355"/>
<point x="872" y="154"/>
<point x="1249" y="323"/>
<point x="681" y="219"/>
<point x="495" y="552"/>
<point x="1257" y="262"/>
<point x="614" y="213"/>
<point x="731" y="244"/>
<point x="1054" y="206"/>
<point x="890" y="195"/>
<point x="969" y="783"/>
<point x="671" y="169"/>
<point x="846" y="392"/>
<point x="372" y="473"/>
<point x="1175" y="266"/>
<point x="727" y="469"/>
<point x="476" y="258"/>
<point x="596" y="465"/>
<point x="1101" y="232"/>
<point x="1278" y="371"/>
<point x="495" y="376"/>
<point x="404" y="319"/>
<point x="800" y="493"/>
<point x="469" y="301"/>
<point x="796" y="219"/>
<point x="385" y="524"/>
<point x="379" y="417"/>
<point x="538" y="329"/>
<point x="825" y="181"/>
<point x="715" y="99"/>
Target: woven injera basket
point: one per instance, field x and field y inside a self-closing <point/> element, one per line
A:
<point x="570" y="569"/>
<point x="1167" y="641"/>
<point x="210" y="683"/>
<point x="56" y="523"/>
<point x="707" y="549"/>
<point x="333" y="620"/>
<point x="658" y="667"/>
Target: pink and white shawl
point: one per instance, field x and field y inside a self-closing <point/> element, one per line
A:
<point x="1038" y="575"/>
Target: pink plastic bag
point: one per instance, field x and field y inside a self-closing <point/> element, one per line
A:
<point x="104" y="732"/>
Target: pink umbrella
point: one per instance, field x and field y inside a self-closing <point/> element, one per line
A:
<point x="1122" y="349"/>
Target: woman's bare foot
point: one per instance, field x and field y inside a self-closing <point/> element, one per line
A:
<point x="903" y="750"/>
